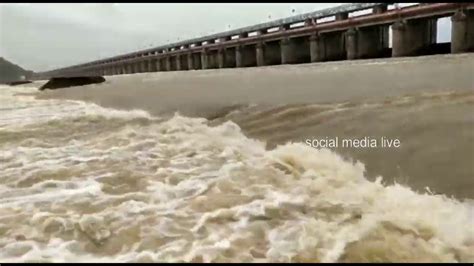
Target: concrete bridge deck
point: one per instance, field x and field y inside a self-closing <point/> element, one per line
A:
<point x="300" y="39"/>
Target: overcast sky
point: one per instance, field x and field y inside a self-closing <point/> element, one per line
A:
<point x="41" y="37"/>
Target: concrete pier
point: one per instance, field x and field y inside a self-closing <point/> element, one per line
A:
<point x="178" y="62"/>
<point x="204" y="59"/>
<point x="462" y="31"/>
<point x="189" y="58"/>
<point x="409" y="37"/>
<point x="368" y="42"/>
<point x="351" y="44"/>
<point x="316" y="52"/>
<point x="221" y="58"/>
<point x="259" y="54"/>
<point x="197" y="61"/>
<point x="158" y="64"/>
<point x="138" y="67"/>
<point x="287" y="55"/>
<point x="167" y="63"/>
<point x="151" y="65"/>
<point x="238" y="56"/>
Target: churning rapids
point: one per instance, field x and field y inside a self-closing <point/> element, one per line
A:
<point x="79" y="182"/>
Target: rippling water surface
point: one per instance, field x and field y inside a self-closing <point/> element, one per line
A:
<point x="79" y="182"/>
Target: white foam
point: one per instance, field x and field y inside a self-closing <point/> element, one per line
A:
<point x="184" y="191"/>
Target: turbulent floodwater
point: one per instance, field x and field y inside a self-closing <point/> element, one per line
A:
<point x="79" y="182"/>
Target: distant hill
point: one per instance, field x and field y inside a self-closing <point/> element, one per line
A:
<point x="10" y="72"/>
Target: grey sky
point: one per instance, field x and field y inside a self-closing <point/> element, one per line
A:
<point x="40" y="37"/>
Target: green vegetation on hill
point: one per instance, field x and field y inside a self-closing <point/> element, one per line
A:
<point x="10" y="72"/>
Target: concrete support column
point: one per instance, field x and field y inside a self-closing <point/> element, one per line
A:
<point x="238" y="56"/>
<point x="315" y="48"/>
<point x="139" y="67"/>
<point x="168" y="63"/>
<point x="399" y="42"/>
<point x="145" y="66"/>
<point x="351" y="44"/>
<point x="196" y="60"/>
<point x="292" y="51"/>
<point x="220" y="58"/>
<point x="204" y="59"/>
<point x="150" y="65"/>
<point x="158" y="64"/>
<point x="285" y="51"/>
<point x="136" y="68"/>
<point x="190" y="61"/>
<point x="366" y="42"/>
<point x="411" y="36"/>
<point x="178" y="62"/>
<point x="462" y="31"/>
<point x="259" y="54"/>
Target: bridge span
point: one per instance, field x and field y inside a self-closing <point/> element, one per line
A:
<point x="325" y="35"/>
